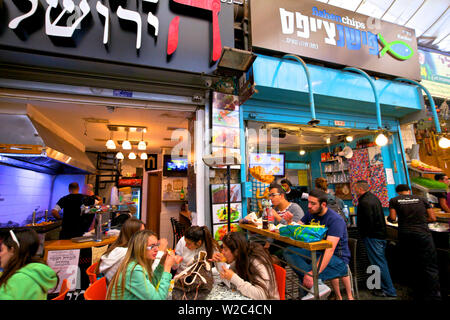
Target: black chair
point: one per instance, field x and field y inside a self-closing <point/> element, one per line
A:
<point x="177" y="229"/>
<point x="352" y="245"/>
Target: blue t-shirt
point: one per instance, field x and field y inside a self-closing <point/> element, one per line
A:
<point x="336" y="228"/>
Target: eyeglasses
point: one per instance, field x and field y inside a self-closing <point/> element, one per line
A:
<point x="273" y="194"/>
<point x="151" y="247"/>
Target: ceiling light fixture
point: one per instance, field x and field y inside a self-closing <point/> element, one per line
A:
<point x="132" y="156"/>
<point x="144" y="156"/>
<point x="119" y="155"/>
<point x="110" y="143"/>
<point x="126" y="145"/>
<point x="142" y="145"/>
<point x="381" y="139"/>
<point x="349" y="138"/>
<point x="444" y="143"/>
<point x="302" y="152"/>
<point x="328" y="140"/>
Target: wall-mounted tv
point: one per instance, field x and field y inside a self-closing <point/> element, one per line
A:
<point x="176" y="167"/>
<point x="273" y="163"/>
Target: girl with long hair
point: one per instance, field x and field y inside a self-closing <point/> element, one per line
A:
<point x="251" y="269"/>
<point x="135" y="278"/>
<point x="195" y="239"/>
<point x="111" y="259"/>
<point x="25" y="276"/>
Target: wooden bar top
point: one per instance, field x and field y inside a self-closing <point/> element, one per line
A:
<point x="70" y="245"/>
<point x="311" y="246"/>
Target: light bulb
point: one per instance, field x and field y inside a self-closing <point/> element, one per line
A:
<point x="126" y="145"/>
<point x="302" y="152"/>
<point x="144" y="156"/>
<point x="110" y="144"/>
<point x="119" y="155"/>
<point x="328" y="140"/>
<point x="381" y="140"/>
<point x="444" y="143"/>
<point x="142" y="145"/>
<point x="132" y="156"/>
<point x="349" y="138"/>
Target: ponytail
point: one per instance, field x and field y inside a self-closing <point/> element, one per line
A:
<point x="196" y="233"/>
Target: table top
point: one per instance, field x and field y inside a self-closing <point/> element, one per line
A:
<point x="221" y="291"/>
<point x="311" y="246"/>
<point x="69" y="244"/>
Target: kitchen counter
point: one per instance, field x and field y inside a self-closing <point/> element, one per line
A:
<point x="69" y="244"/>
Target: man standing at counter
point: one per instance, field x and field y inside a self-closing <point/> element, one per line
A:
<point x="416" y="242"/>
<point x="73" y="224"/>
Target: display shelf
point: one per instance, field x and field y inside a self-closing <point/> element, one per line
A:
<point x="425" y="189"/>
<point x="423" y="172"/>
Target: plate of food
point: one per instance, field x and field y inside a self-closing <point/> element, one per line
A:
<point x="220" y="212"/>
<point x="221" y="230"/>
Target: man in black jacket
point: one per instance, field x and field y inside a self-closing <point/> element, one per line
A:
<point x="372" y="229"/>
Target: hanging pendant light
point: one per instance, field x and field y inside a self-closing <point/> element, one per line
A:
<point x="444" y="143"/>
<point x="142" y="145"/>
<point x="119" y="155"/>
<point x="302" y="152"/>
<point x="110" y="143"/>
<point x="126" y="145"/>
<point x="381" y="139"/>
<point x="132" y="156"/>
<point x="144" y="156"/>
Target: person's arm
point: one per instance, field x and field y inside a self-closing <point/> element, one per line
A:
<point x="431" y="216"/>
<point x="327" y="255"/>
<point x="247" y="288"/>
<point x="55" y="211"/>
<point x="443" y="204"/>
<point x="141" y="286"/>
<point x="392" y="215"/>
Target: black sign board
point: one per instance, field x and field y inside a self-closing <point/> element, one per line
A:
<point x="152" y="162"/>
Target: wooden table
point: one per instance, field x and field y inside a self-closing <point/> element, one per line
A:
<point x="311" y="246"/>
<point x="69" y="245"/>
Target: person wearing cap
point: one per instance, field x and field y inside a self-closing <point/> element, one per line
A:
<point x="24" y="275"/>
<point x="416" y="244"/>
<point x="292" y="195"/>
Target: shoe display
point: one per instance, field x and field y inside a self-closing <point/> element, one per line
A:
<point x="324" y="292"/>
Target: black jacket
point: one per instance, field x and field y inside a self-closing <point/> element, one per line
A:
<point x="370" y="217"/>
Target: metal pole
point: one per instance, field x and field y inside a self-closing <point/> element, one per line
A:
<point x="229" y="197"/>
<point x="430" y="98"/>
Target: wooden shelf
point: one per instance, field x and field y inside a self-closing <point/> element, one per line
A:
<point x="423" y="172"/>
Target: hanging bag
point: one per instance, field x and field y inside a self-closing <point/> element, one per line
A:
<point x="306" y="233"/>
<point x="195" y="282"/>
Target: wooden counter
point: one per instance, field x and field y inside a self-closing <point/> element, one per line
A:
<point x="311" y="246"/>
<point x="69" y="245"/>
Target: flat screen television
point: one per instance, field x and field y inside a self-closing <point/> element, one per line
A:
<point x="176" y="167"/>
<point x="273" y="163"/>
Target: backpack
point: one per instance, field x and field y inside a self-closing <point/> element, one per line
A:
<point x="333" y="205"/>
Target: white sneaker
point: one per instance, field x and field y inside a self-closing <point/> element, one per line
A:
<point x="324" y="292"/>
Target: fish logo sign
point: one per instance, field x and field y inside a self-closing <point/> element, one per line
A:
<point x="397" y="49"/>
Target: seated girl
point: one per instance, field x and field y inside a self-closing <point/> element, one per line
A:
<point x="135" y="278"/>
<point x="251" y="269"/>
<point x="195" y="239"/>
<point x="24" y="276"/>
<point x="111" y="259"/>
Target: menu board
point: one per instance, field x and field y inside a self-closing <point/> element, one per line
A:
<point x="219" y="230"/>
<point x="219" y="193"/>
<point x="65" y="264"/>
<point x="220" y="212"/>
<point x="225" y="120"/>
<point x="273" y="164"/>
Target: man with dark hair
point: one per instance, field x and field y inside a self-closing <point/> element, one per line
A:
<point x="284" y="212"/>
<point x="335" y="259"/>
<point x="372" y="229"/>
<point x="418" y="253"/>
<point x="73" y="224"/>
<point x="441" y="196"/>
<point x="292" y="195"/>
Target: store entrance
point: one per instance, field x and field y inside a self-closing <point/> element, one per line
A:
<point x="301" y="154"/>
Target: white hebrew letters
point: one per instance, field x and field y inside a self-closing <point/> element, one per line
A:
<point x="132" y="16"/>
<point x="287" y="21"/>
<point x="104" y="11"/>
<point x="302" y="23"/>
<point x="153" y="21"/>
<point x="15" y="22"/>
<point x="52" y="29"/>
<point x="330" y="29"/>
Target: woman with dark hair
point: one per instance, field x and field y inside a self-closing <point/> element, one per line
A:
<point x="251" y="269"/>
<point x="195" y="239"/>
<point x="111" y="259"/>
<point x="24" y="276"/>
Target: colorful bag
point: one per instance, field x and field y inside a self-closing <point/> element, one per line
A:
<point x="195" y="282"/>
<point x="306" y="233"/>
